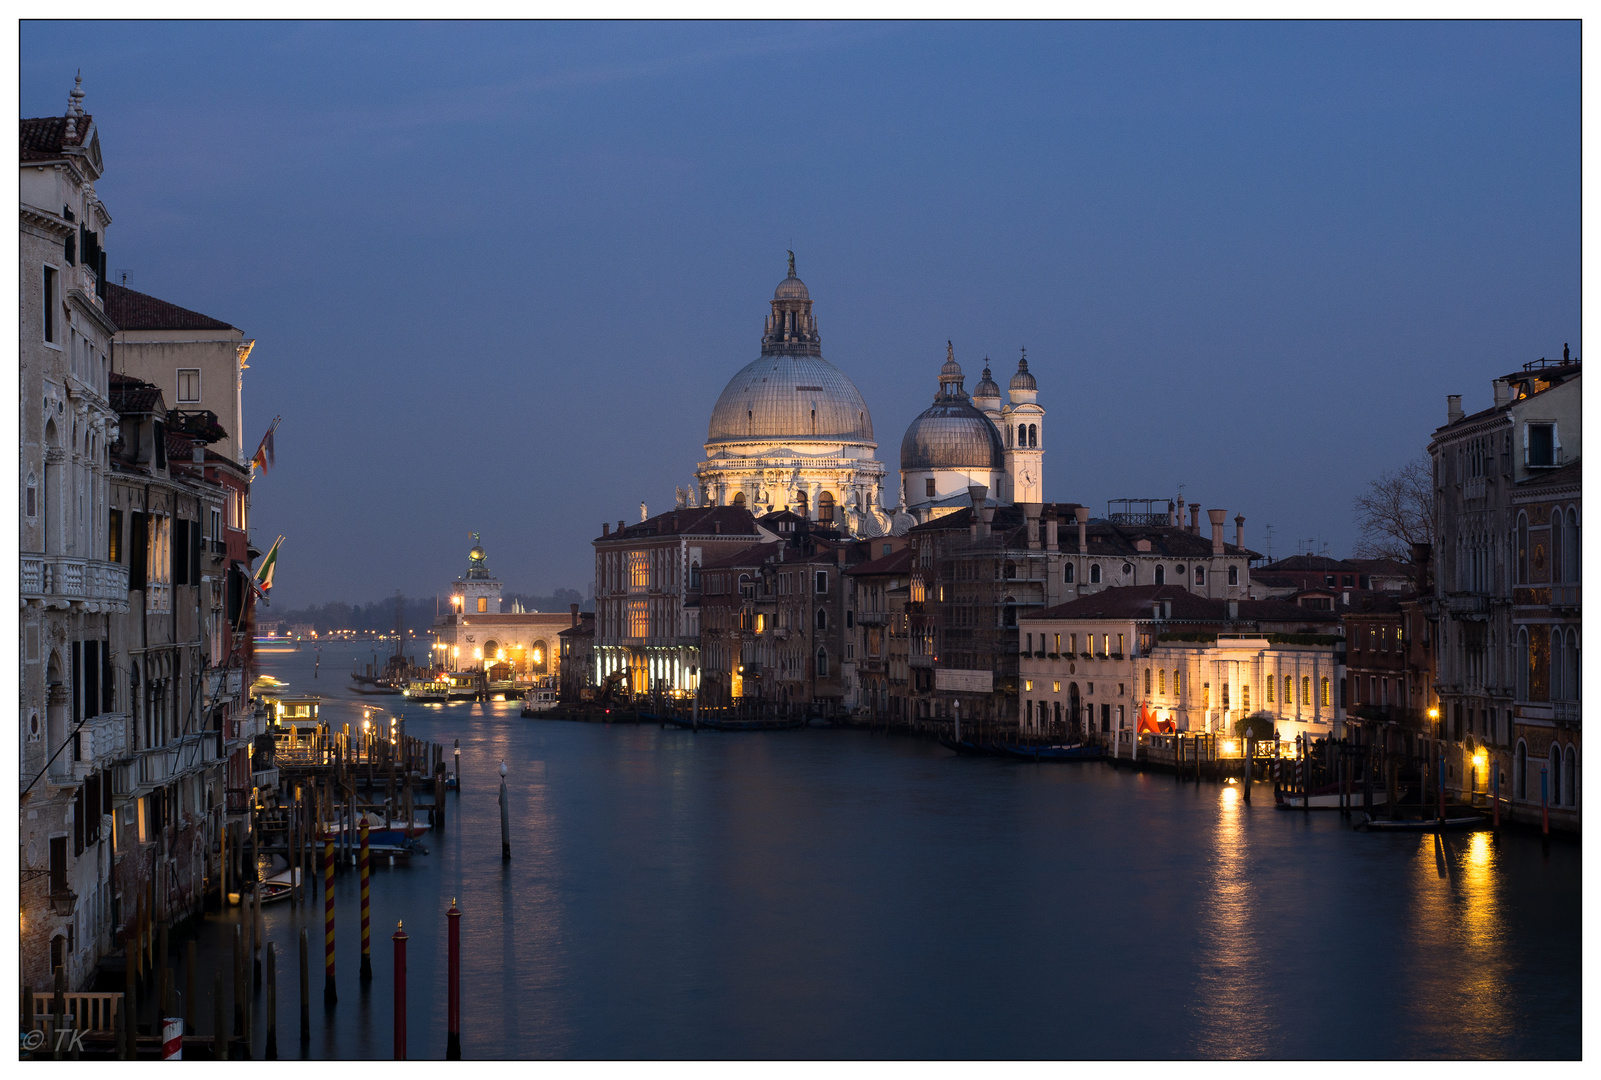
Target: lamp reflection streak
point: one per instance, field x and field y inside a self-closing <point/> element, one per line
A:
<point x="1230" y="1006"/>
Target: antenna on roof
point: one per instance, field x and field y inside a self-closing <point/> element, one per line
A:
<point x="1270" y="543"/>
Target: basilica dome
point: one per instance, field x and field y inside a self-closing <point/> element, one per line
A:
<point x="789" y="397"/>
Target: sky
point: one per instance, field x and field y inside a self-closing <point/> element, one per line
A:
<point x="498" y="274"/>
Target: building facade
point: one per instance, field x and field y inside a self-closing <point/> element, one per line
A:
<point x="475" y="635"/>
<point x="1479" y="460"/>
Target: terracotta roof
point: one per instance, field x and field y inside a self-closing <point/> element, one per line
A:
<point x="42" y="137"/>
<point x="730" y="521"/>
<point x="135" y="311"/>
<point x="1103" y="538"/>
<point x="754" y="555"/>
<point x="1136" y="601"/>
<point x="1304" y="563"/>
<point x="896" y="562"/>
<point x="1568" y="474"/>
<point x="130" y="395"/>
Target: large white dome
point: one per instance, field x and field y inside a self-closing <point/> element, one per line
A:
<point x="790" y="398"/>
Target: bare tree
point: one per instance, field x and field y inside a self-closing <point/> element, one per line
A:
<point x="1396" y="511"/>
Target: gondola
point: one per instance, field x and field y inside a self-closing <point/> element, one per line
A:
<point x="1451" y="824"/>
<point x="1061" y="752"/>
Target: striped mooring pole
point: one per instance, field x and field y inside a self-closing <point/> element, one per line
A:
<point x="453" y="984"/>
<point x="399" y="937"/>
<point x="330" y="992"/>
<point x="366" y="930"/>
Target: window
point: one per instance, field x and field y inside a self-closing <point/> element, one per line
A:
<point x="850" y="619"/>
<point x="928" y="487"/>
<point x="1245" y="697"/>
<point x="1147" y="682"/>
<point x="1206" y="695"/>
<point x="1067" y="573"/>
<point x="1056" y="688"/>
<point x="483" y="603"/>
<point x="1234" y="575"/>
<point x="822" y="582"/>
<point x="1323" y="692"/>
<point x="1033" y="435"/>
<point x="1022" y="434"/>
<point x="31" y="499"/>
<point x="50" y="303"/>
<point x="1161" y="575"/>
<point x="822" y="619"/>
<point x="1306" y="689"/>
<point x="1095" y="573"/>
<point x="825" y="506"/>
<point x="188" y="386"/>
<point x="114" y="535"/>
<point x="1541" y="450"/>
<point x="1028" y="685"/>
<point x="1521" y="544"/>
<point x="1269" y="686"/>
<point x="822" y="663"/>
<point x="1200" y="575"/>
<point x="1289" y="698"/>
<point x="1161" y="682"/>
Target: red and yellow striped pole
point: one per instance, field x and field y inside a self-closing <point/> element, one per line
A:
<point x="330" y="993"/>
<point x="366" y="932"/>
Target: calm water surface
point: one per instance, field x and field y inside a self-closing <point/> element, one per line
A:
<point x="825" y="893"/>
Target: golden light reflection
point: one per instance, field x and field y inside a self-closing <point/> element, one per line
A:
<point x="1232" y="1011"/>
<point x="1459" y="992"/>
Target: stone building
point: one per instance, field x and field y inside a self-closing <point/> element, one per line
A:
<point x="881" y="588"/>
<point x="1089" y="666"/>
<point x="475" y="635"/>
<point x="647" y="593"/>
<point x="1479" y="460"/>
<point x="198" y="361"/>
<point x="730" y="670"/>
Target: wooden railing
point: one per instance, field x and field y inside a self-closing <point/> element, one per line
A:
<point x="89" y="1012"/>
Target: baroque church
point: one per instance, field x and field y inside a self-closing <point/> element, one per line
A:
<point x="790" y="431"/>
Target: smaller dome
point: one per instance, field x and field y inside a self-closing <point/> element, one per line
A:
<point x="1023" y="380"/>
<point x="986" y="386"/>
<point x="791" y="288"/>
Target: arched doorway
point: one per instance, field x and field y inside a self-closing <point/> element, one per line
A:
<point x="539" y="657"/>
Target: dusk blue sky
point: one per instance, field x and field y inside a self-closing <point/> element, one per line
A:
<point x="499" y="273"/>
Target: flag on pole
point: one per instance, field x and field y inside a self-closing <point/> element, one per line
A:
<point x="262" y="582"/>
<point x="264" y="453"/>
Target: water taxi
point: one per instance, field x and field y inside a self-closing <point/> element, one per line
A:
<point x="538" y="700"/>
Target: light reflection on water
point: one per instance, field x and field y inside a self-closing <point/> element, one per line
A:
<point x="837" y="894"/>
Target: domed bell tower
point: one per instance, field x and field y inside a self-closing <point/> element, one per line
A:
<point x="477" y="593"/>
<point x="791" y="329"/>
<point x="1023" y="434"/>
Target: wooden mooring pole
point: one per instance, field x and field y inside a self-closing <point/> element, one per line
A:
<point x="271" y="1050"/>
<point x="305" y="990"/>
<point x="366" y="929"/>
<point x="399" y="938"/>
<point x="330" y="991"/>
<point x="453" y="987"/>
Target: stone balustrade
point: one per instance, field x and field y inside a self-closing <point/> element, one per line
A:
<point x="61" y="581"/>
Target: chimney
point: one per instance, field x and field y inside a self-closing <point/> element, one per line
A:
<point x="200" y="453"/>
<point x="1031" y="514"/>
<point x="619" y="525"/>
<point x="1453" y="408"/>
<point x="1502" y="390"/>
<point x="574" y="609"/>
<point x="1082" y="513"/>
<point x="1195" y="518"/>
<point x="1167" y="610"/>
<point x="1217" y="517"/>
<point x="1156" y="611"/>
<point x="840" y="552"/>
<point x="987" y="515"/>
<point x="1239" y="531"/>
<point x="605" y="529"/>
<point x="1051" y="539"/>
<point x="1172" y="513"/>
<point x="1234" y="610"/>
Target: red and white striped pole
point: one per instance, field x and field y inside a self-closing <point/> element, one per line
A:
<point x="399" y="938"/>
<point x="330" y="991"/>
<point x="172" y="1038"/>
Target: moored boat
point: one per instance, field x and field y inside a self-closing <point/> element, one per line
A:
<point x="538" y="700"/>
<point x="1062" y="752"/>
<point x="1326" y="798"/>
<point x="1450" y="824"/>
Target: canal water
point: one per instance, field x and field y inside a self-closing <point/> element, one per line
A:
<point x="839" y="894"/>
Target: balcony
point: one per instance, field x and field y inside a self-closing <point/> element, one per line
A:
<point x="59" y="581"/>
<point x="1565" y="712"/>
<point x="1474" y="488"/>
<point x="872" y="618"/>
<point x="100" y="741"/>
<point x="1468" y="606"/>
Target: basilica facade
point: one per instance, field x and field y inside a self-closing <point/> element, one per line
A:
<point x="791" y="432"/>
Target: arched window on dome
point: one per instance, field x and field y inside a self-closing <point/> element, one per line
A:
<point x="1033" y="435"/>
<point x="825" y="506"/>
<point x="814" y="421"/>
<point x="739" y="498"/>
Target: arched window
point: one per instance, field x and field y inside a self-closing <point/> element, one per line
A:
<point x="1306" y="689"/>
<point x="1147" y="682"/>
<point x="1234" y="575"/>
<point x="1574" y="669"/>
<point x="1554" y="775"/>
<point x="1520" y="771"/>
<point x="801" y="503"/>
<point x="825" y="506"/>
<point x="1556" y="546"/>
<point x="539" y="656"/>
<point x="822" y="663"/>
<point x="822" y="619"/>
<point x="694" y="575"/>
<point x="1161" y="682"/>
<point x="1522" y="663"/>
<point x="1095" y="573"/>
<point x="1559" y="667"/>
<point x="1323" y="692"/>
<point x="1022" y="435"/>
<point x="1521" y="543"/>
<point x="1160" y="576"/>
<point x="1033" y="435"/>
<point x="1011" y="570"/>
<point x="1570" y="762"/>
<point x="1570" y="547"/>
<point x="31" y="501"/>
<point x="1269" y="683"/>
<point x="739" y="498"/>
<point x="1200" y="575"/>
<point x="1009" y="613"/>
<point x="1067" y="573"/>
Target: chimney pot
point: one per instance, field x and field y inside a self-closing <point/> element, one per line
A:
<point x="574" y="609"/>
<point x="1082" y="514"/>
<point x="605" y="528"/>
<point x="1239" y="531"/>
<point x="1503" y="392"/>
<point x="1052" y="540"/>
<point x="1234" y="610"/>
<point x="1453" y="408"/>
<point x="1195" y="518"/>
<point x="1217" y="517"/>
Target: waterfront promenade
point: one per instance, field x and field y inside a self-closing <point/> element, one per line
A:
<point x="821" y="893"/>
